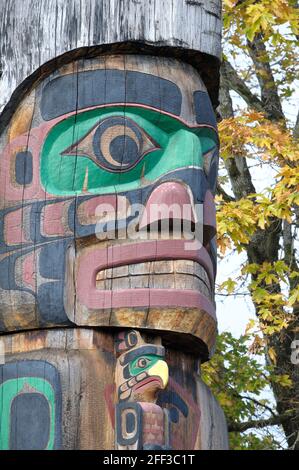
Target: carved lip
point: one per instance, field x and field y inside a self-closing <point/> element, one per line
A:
<point x="90" y="263"/>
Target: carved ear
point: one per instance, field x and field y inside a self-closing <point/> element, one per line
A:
<point x="127" y="340"/>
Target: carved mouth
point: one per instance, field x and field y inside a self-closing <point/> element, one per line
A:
<point x="146" y="382"/>
<point x="133" y="275"/>
<point x="167" y="274"/>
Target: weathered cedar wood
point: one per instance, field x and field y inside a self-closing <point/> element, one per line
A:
<point x="34" y="33"/>
<point x="173" y="38"/>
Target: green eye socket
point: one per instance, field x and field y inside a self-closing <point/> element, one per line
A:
<point x="143" y="363"/>
<point x="105" y="150"/>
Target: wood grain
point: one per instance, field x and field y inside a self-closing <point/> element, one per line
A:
<point x="58" y="27"/>
<point x="84" y="362"/>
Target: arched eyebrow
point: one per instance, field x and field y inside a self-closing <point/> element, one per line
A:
<point x="73" y="92"/>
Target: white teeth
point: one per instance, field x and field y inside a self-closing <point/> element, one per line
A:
<point x="163" y="267"/>
<point x="140" y="268"/>
<point x="191" y="267"/>
<point x="176" y="274"/>
<point x="121" y="271"/>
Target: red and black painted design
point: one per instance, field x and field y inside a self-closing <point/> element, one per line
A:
<point x="141" y="371"/>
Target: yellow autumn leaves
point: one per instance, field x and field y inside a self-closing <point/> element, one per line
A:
<point x="262" y="142"/>
<point x="256" y="17"/>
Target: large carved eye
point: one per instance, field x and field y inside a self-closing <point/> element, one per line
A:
<point x="143" y="362"/>
<point x="117" y="144"/>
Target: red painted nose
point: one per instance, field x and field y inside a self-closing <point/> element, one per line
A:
<point x="170" y="200"/>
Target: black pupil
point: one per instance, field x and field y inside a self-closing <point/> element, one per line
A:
<point x="142" y="362"/>
<point x="118" y="144"/>
<point x="124" y="150"/>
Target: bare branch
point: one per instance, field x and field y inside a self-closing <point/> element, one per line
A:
<point x="234" y="82"/>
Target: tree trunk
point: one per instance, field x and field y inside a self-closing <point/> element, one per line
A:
<point x="266" y="244"/>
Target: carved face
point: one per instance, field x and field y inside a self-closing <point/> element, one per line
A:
<point x="87" y="155"/>
<point x="141" y="369"/>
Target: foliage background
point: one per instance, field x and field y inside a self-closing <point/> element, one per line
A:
<point x="259" y="223"/>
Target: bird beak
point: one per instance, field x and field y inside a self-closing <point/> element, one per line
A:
<point x="160" y="369"/>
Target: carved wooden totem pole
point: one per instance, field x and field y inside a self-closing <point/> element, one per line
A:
<point x="108" y="167"/>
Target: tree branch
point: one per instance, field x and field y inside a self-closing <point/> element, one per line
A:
<point x="226" y="197"/>
<point x="232" y="80"/>
<point x="257" y="403"/>
<point x="236" y="167"/>
<point x="261" y="423"/>
<point x="269" y="92"/>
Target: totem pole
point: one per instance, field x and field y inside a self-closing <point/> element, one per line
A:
<point x="108" y="168"/>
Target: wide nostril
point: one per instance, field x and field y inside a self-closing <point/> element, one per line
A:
<point x="169" y="201"/>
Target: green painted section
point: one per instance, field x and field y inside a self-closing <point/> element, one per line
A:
<point x="149" y="361"/>
<point x="9" y="390"/>
<point x="180" y="147"/>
